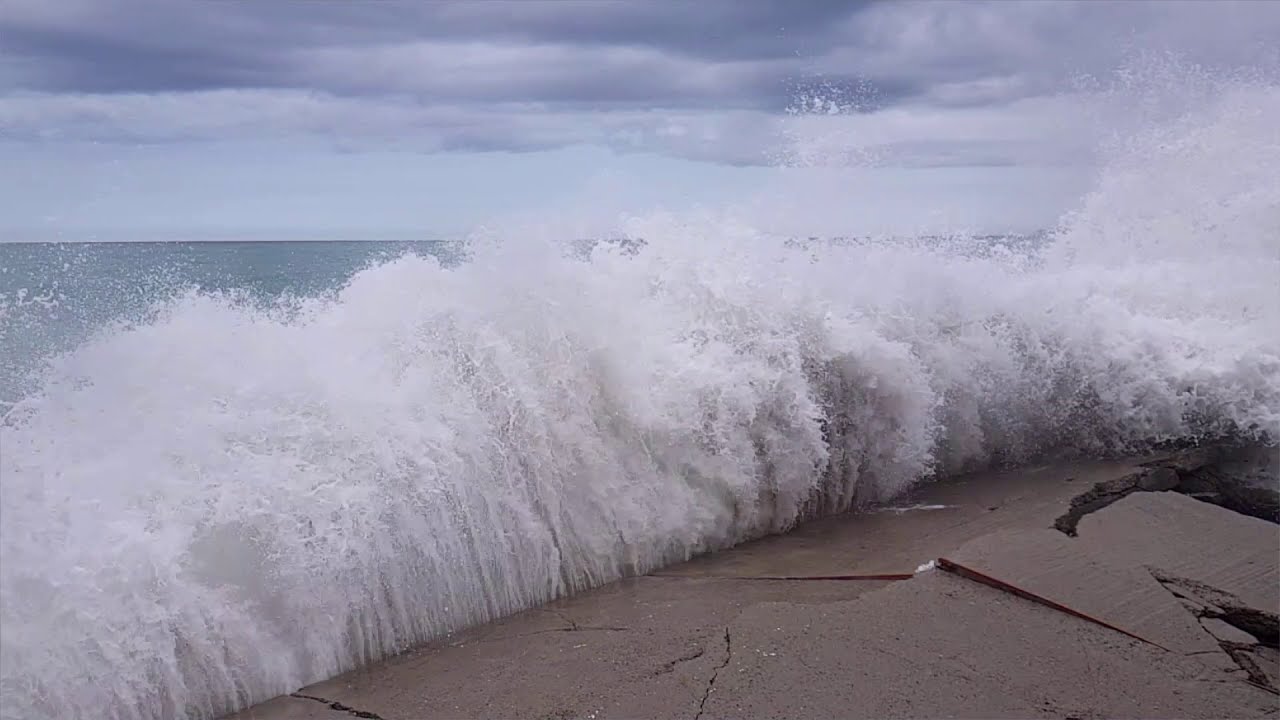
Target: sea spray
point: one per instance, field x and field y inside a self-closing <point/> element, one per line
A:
<point x="225" y="501"/>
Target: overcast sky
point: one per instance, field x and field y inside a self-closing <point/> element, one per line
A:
<point x="131" y="118"/>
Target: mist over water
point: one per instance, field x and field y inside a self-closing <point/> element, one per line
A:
<point x="229" y="500"/>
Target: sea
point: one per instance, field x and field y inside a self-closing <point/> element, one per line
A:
<point x="54" y="296"/>
<point x="229" y="470"/>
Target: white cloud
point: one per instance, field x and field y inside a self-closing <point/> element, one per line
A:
<point x="904" y="85"/>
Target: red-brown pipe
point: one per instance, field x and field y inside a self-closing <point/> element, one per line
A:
<point x="974" y="575"/>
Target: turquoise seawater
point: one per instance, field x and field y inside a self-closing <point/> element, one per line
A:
<point x="54" y="296"/>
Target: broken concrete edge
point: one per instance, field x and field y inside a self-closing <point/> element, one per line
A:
<point x="1194" y="454"/>
<point x="1242" y="655"/>
<point x="1262" y="625"/>
<point x="1195" y="473"/>
<point x="1150" y="479"/>
<point x="1220" y="475"/>
<point x="1259" y="624"/>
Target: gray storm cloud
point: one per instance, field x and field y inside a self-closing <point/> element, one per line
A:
<point x="708" y="80"/>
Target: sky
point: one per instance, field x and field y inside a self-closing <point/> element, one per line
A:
<point x="363" y="119"/>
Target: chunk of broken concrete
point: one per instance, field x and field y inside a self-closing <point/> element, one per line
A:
<point x="1268" y="661"/>
<point x="1226" y="632"/>
<point x="1158" y="479"/>
<point x="1103" y="494"/>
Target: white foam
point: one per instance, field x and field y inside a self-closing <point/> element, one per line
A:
<point x="223" y="504"/>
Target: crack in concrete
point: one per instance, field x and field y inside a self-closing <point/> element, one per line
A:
<point x="576" y="628"/>
<point x="334" y="705"/>
<point x="1216" y="603"/>
<point x="1263" y="626"/>
<point x="671" y="666"/>
<point x="1257" y="676"/>
<point x="573" y="624"/>
<point x="728" y="654"/>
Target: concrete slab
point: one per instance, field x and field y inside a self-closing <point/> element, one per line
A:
<point x="941" y="646"/>
<point x="644" y="647"/>
<point x="1183" y="537"/>
<point x="1050" y="564"/>
<point x="1225" y="632"/>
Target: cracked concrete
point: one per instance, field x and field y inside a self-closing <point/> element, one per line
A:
<point x="723" y="636"/>
<point x="1226" y="632"/>
<point x="671" y="666"/>
<point x="942" y="646"/>
<point x="1268" y="661"/>
<point x="533" y="665"/>
<point x="1051" y="565"/>
<point x="1247" y="635"/>
<point x="1257" y="625"/>
<point x="711" y="683"/>
<point x="339" y="707"/>
<point x="1114" y="574"/>
<point x="1255" y="665"/>
<point x="1180" y="537"/>
<point x="1243" y="480"/>
<point x="289" y="707"/>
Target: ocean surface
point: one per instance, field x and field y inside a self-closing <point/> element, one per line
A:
<point x="230" y="470"/>
<point x="54" y="296"/>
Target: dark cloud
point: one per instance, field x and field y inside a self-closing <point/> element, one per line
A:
<point x="528" y="74"/>
<point x="76" y="61"/>
<point x="139" y="46"/>
<point x="721" y="30"/>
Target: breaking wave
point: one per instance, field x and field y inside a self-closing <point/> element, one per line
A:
<point x="225" y="502"/>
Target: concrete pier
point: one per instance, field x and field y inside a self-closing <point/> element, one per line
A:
<point x="1157" y="604"/>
